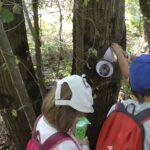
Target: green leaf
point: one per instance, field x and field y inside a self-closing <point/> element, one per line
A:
<point x="93" y="51"/>
<point x="6" y="16"/>
<point x="86" y="2"/>
<point x="17" y="60"/>
<point x="16" y="9"/>
<point x="14" y="113"/>
<point x="1" y="5"/>
<point x="94" y="96"/>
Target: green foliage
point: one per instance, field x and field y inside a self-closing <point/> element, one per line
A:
<point x="16" y="9"/>
<point x="86" y="2"/>
<point x="125" y="87"/>
<point x="1" y="5"/>
<point x="14" y="113"/>
<point x="5" y="15"/>
<point x="57" y="61"/>
<point x="134" y="26"/>
<point x="93" y="52"/>
<point x="57" y="55"/>
<point x="17" y="60"/>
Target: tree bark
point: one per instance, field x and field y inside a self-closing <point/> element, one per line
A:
<point x="96" y="26"/>
<point x="18" y="114"/>
<point x="37" y="49"/>
<point x="16" y="33"/>
<point x="145" y="9"/>
<point x="78" y="34"/>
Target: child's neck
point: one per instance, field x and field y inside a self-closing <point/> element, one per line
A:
<point x="147" y="99"/>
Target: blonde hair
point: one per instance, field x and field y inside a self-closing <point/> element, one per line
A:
<point x="60" y="117"/>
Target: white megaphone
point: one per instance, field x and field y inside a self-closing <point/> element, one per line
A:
<point x="104" y="67"/>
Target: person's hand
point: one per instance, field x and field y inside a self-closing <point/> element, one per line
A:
<point x="85" y="141"/>
<point x="123" y="64"/>
<point x="117" y="49"/>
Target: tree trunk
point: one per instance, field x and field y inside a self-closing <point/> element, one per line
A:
<point x="145" y="9"/>
<point x="37" y="48"/>
<point x="16" y="33"/>
<point x="17" y="110"/>
<point x="78" y="37"/>
<point x="96" y="25"/>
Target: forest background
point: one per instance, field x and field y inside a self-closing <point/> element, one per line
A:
<point x="49" y="36"/>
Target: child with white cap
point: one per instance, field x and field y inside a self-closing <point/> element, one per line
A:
<point x="61" y="109"/>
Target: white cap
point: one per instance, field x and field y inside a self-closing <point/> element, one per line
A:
<point x="81" y="99"/>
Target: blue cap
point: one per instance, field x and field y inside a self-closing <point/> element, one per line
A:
<point x="140" y="74"/>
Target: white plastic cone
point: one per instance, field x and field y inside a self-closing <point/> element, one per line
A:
<point x="104" y="68"/>
<point x="110" y="55"/>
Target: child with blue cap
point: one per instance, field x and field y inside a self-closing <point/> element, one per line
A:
<point x="138" y="74"/>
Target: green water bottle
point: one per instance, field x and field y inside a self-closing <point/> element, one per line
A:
<point x="81" y="128"/>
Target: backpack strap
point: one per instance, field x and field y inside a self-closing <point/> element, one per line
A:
<point x="35" y="133"/>
<point x="56" y="139"/>
<point x="144" y="115"/>
<point x="120" y="107"/>
<point x="140" y="118"/>
<point x="53" y="140"/>
<point x="35" y="140"/>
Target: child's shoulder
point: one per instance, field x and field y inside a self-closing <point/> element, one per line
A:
<point x="125" y="102"/>
<point x="67" y="145"/>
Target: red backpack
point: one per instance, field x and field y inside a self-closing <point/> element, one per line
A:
<point x="50" y="143"/>
<point x="122" y="130"/>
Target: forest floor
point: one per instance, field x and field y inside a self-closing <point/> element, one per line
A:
<point x="6" y="142"/>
